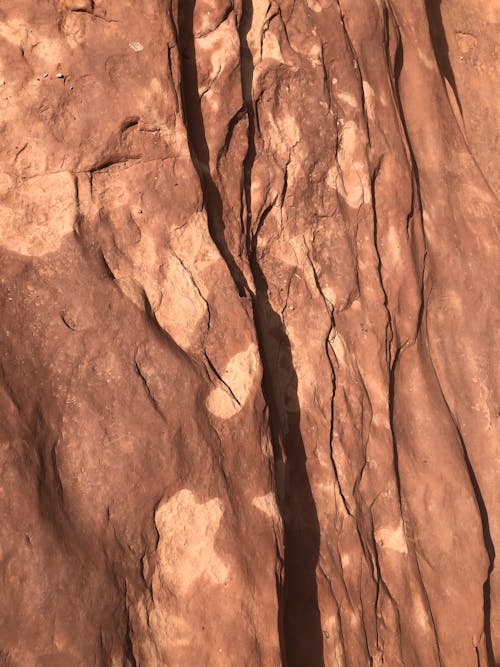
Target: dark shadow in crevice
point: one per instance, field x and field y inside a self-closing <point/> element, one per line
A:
<point x="301" y="636"/>
<point x="440" y="45"/>
<point x="129" y="647"/>
<point x="247" y="72"/>
<point x="398" y="68"/>
<point x="198" y="147"/>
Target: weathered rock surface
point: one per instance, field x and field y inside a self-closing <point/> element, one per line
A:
<point x="249" y="340"/>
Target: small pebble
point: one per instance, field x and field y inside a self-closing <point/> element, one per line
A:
<point x="45" y="75"/>
<point x="59" y="75"/>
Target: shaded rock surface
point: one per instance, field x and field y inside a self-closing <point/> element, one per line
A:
<point x="249" y="341"/>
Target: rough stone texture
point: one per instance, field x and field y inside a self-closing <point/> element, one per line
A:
<point x="465" y="37"/>
<point x="249" y="298"/>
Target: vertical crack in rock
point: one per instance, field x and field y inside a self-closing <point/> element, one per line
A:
<point x="485" y="527"/>
<point x="328" y="340"/>
<point x="300" y="623"/>
<point x="440" y="45"/>
<point x="193" y="118"/>
<point x="139" y="521"/>
<point x="301" y="635"/>
<point x="129" y="645"/>
<point x="488" y="542"/>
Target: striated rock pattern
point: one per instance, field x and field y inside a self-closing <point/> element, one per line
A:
<point x="249" y="342"/>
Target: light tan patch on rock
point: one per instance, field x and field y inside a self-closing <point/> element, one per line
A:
<point x="240" y="374"/>
<point x="268" y="505"/>
<point x="214" y="50"/>
<point x="347" y="98"/>
<point x="74" y="28"/>
<point x="345" y="559"/>
<point x="46" y="52"/>
<point x="259" y="30"/>
<point x="419" y="613"/>
<point x="79" y="5"/>
<point x="353" y="180"/>
<point x="339" y="348"/>
<point x="14" y="32"/>
<point x="163" y="631"/>
<point x="192" y="242"/>
<point x="166" y="274"/>
<point x="392" y="538"/>
<point x="209" y="15"/>
<point x="271" y="47"/>
<point x="38" y="213"/>
<point x="186" y="549"/>
<point x="289" y="130"/>
<point x="370" y="99"/>
<point x="39" y="50"/>
<point x="6" y="183"/>
<point x="394" y="244"/>
<point x="150" y="103"/>
<point x="182" y="309"/>
<point x="315" y="6"/>
<point x="148" y="627"/>
<point x="429" y="62"/>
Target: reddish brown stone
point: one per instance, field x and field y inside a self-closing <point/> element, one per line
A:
<point x="249" y="352"/>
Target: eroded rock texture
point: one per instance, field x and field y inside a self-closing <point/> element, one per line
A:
<point x="249" y="315"/>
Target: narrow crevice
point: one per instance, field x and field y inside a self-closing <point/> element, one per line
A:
<point x="396" y="68"/>
<point x="440" y="45"/>
<point x="112" y="161"/>
<point x="490" y="548"/>
<point x="301" y="635"/>
<point x="329" y="310"/>
<point x="198" y="146"/>
<point x="128" y="123"/>
<point x="247" y="73"/>
<point x="485" y="524"/>
<point x="221" y="379"/>
<point x="429" y="610"/>
<point x="151" y="397"/>
<point x="129" y="646"/>
<point x="392" y="364"/>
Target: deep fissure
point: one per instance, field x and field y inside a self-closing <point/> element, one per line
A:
<point x="193" y="119"/>
<point x="301" y="636"/>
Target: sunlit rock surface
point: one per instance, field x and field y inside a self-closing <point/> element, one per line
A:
<point x="249" y="346"/>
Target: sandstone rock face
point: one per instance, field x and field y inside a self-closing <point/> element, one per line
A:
<point x="249" y="297"/>
<point x="466" y="44"/>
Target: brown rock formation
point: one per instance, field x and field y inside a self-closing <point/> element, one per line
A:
<point x="250" y="333"/>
